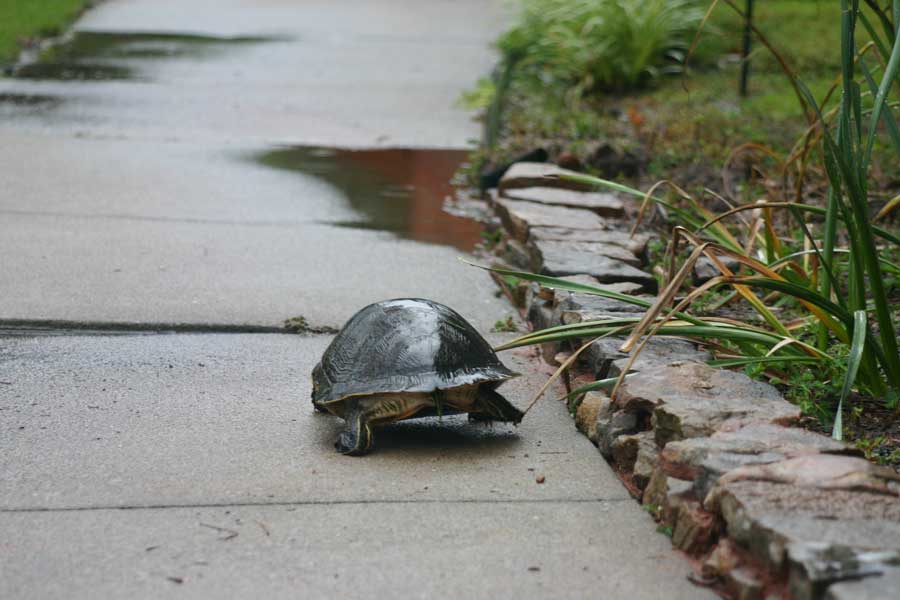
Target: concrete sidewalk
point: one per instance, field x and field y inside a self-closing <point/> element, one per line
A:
<point x="138" y="466"/>
<point x="158" y="465"/>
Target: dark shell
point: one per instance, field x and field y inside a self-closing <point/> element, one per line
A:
<point x="405" y="345"/>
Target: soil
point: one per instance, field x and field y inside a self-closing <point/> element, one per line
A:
<point x="870" y="426"/>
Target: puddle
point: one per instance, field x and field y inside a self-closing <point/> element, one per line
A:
<point x="28" y="102"/>
<point x="102" y="56"/>
<point x="397" y="190"/>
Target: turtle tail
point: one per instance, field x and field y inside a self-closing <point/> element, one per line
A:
<point x="491" y="406"/>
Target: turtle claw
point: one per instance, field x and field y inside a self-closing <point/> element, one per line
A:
<point x="357" y="439"/>
<point x="346" y="444"/>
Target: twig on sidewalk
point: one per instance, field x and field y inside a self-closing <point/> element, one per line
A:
<point x="231" y="533"/>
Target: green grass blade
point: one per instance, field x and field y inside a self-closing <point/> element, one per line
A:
<point x="885" y="263"/>
<point x="600" y="384"/>
<point x="853" y="361"/>
<point x="568" y="332"/>
<point x="828" y="242"/>
<point x="827" y="309"/>
<point x="888" y="116"/>
<point x="699" y="332"/>
<point x="879" y="43"/>
<point x="762" y="360"/>
<point x="887" y="80"/>
<point x="562" y="284"/>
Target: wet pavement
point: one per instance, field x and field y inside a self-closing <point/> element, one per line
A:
<point x="220" y="167"/>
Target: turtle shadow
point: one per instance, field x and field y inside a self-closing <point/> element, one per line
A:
<point x="433" y="435"/>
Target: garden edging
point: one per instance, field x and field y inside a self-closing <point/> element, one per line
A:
<point x="767" y="510"/>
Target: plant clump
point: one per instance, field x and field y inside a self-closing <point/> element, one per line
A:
<point x="590" y="45"/>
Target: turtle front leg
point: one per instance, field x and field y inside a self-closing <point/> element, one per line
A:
<point x="356" y="440"/>
<point x="491" y="406"/>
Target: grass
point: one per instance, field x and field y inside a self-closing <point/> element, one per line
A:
<point x="24" y="20"/>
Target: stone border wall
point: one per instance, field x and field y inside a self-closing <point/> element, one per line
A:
<point x="767" y="510"/>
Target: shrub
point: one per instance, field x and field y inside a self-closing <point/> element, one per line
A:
<point x="591" y="45"/>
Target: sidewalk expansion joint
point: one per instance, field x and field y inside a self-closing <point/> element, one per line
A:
<point x="287" y="503"/>
<point x="289" y="224"/>
<point x="53" y="327"/>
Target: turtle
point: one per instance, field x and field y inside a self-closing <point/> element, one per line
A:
<point x="407" y="358"/>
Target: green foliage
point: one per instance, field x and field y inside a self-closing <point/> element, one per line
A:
<point x="21" y="20"/>
<point x="687" y="126"/>
<point x="815" y="390"/>
<point x="871" y="449"/>
<point x="591" y="45"/>
<point x="506" y="325"/>
<point x="491" y="238"/>
<point x="481" y="96"/>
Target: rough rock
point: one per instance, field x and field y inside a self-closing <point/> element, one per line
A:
<point x="767" y="517"/>
<point x="554" y="295"/>
<point x="515" y="253"/>
<point x="704" y="269"/>
<point x="695" y="529"/>
<point x="578" y="308"/>
<point x="606" y="361"/>
<point x="563" y="258"/>
<point x="590" y="303"/>
<point x="692" y="399"/>
<point x="814" y="566"/>
<point x="519" y="217"/>
<point x="542" y="250"/>
<point x="542" y="316"/>
<point x="656" y="490"/>
<point x="825" y="471"/>
<point x="580" y="279"/>
<point x="611" y="426"/>
<point x="636" y="244"/>
<point x="743" y="584"/>
<point x="723" y="559"/>
<point x="711" y="468"/>
<point x="623" y="287"/>
<point x="538" y="174"/>
<point x="592" y="404"/>
<point x="568" y="160"/>
<point x="705" y="459"/>
<point x="625" y="449"/>
<point x="491" y="173"/>
<point x="665" y="493"/>
<point x="645" y="464"/>
<point x="613" y="162"/>
<point x="882" y="587"/>
<point x="606" y="205"/>
<point x="683" y="458"/>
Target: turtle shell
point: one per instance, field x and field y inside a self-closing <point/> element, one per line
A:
<point x="405" y="345"/>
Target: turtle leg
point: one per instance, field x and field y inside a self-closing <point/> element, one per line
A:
<point x="491" y="406"/>
<point x="356" y="440"/>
